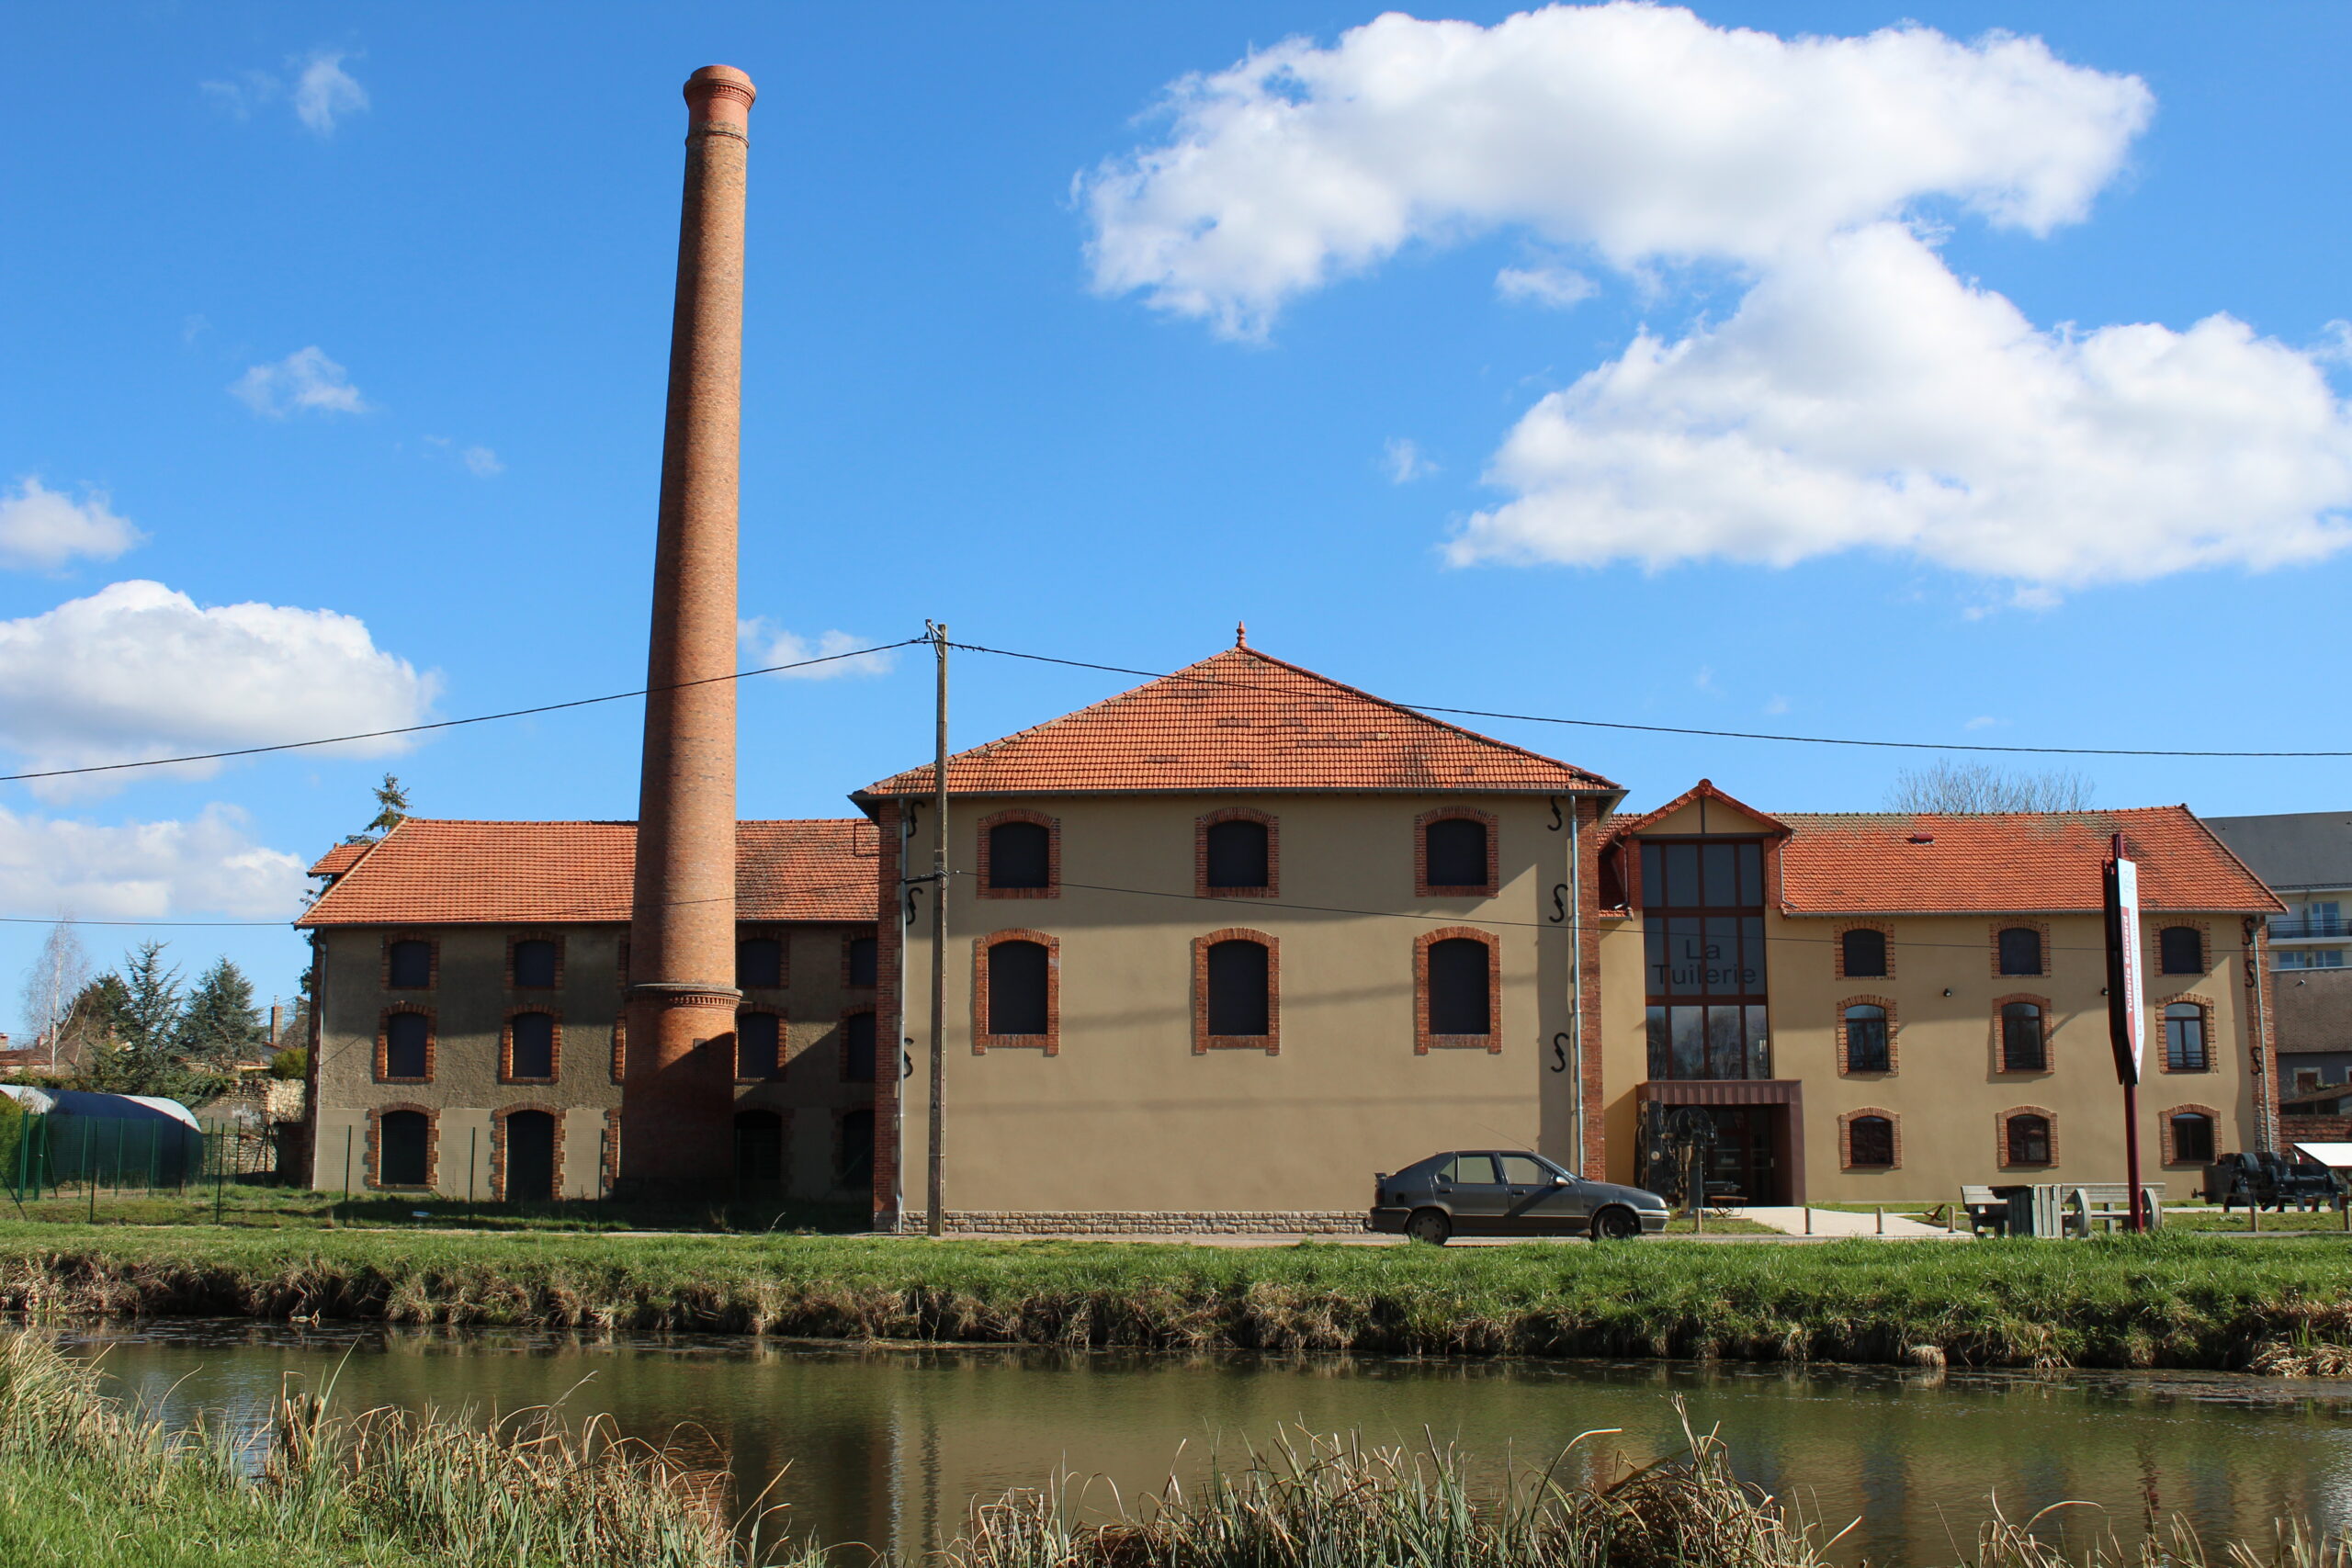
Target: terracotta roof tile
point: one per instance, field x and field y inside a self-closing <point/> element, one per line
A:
<point x="1852" y="864"/>
<point x="450" y="873"/>
<point x="340" y="858"/>
<point x="1244" y="720"/>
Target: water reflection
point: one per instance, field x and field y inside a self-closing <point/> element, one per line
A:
<point x="888" y="1446"/>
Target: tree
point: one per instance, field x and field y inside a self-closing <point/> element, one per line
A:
<point x="1947" y="787"/>
<point x="220" y="1026"/>
<point x="392" y="810"/>
<point x="143" y="1058"/>
<point x="91" y="1018"/>
<point x="54" y="981"/>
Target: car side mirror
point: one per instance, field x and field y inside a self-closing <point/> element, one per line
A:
<point x="1559" y="1180"/>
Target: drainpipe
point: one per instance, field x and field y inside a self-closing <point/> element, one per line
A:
<point x="2265" y="1100"/>
<point x="1575" y="984"/>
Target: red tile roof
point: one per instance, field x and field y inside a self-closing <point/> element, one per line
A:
<point x="1244" y="720"/>
<point x="340" y="858"/>
<point x="1855" y="863"/>
<point x="444" y="872"/>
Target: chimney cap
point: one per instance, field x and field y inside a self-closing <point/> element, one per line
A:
<point x="721" y="92"/>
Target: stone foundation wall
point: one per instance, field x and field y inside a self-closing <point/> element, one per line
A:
<point x="1133" y="1222"/>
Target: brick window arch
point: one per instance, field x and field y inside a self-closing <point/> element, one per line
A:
<point x="990" y="971"/>
<point x="1227" y="856"/>
<point x="523" y="1028"/>
<point x="1453" y="847"/>
<point x="2184" y="1034"/>
<point x="1439" y="966"/>
<point x="407" y="1043"/>
<point x="404" y="1145"/>
<point x="1235" y="988"/>
<point x="2174" y="1137"/>
<point x="1870" y="1139"/>
<point x="2014" y="1033"/>
<point x="411" y="961"/>
<point x="500" y="1164"/>
<point x="534" y="961"/>
<point x="2021" y="1133"/>
<point x="1858" y="945"/>
<point x="1038" y="871"/>
<point x="1857" y="1050"/>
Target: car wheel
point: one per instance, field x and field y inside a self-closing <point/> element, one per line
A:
<point x="1430" y="1225"/>
<point x="1615" y="1223"/>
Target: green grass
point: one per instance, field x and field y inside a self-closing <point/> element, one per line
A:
<point x="278" y="1208"/>
<point x="2175" y="1300"/>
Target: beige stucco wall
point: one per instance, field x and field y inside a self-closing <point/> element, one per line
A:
<point x="1128" y="1117"/>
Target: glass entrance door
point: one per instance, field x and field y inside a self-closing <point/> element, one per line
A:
<point x="1745" y="1165"/>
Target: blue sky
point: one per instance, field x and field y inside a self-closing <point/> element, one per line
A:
<point x="1611" y="365"/>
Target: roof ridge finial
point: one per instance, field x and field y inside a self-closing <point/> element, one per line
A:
<point x="1241" y="634"/>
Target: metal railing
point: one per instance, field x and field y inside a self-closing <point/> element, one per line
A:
<point x="2294" y="927"/>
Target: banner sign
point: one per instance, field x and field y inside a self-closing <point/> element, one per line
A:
<point x="2126" y="1018"/>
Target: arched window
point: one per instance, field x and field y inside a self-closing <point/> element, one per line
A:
<point x="1020" y="856"/>
<point x="1017" y="984"/>
<point x="1454" y="850"/>
<point x="403" y="1148"/>
<point x="2026" y="1139"/>
<point x="1237" y="855"/>
<point x="759" y="962"/>
<point x="535" y="965"/>
<point x="863" y="963"/>
<point x="1460" y="990"/>
<point x="530" y="1045"/>
<point x="1238" y="978"/>
<point x="2180" y="950"/>
<point x="759" y="1046"/>
<point x="1864" y="954"/>
<point x="857" y="1047"/>
<point x="854" y="1160"/>
<point x="2020" y="951"/>
<point x="1869" y="1140"/>
<point x="759" y="1149"/>
<point x="407" y="1045"/>
<point x="2185" y="1038"/>
<point x="1866" y="1049"/>
<point x="2024" y="1048"/>
<point x="2192" y="1137"/>
<point x="408" y="964"/>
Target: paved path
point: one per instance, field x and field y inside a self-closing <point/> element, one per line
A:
<point x="1794" y="1220"/>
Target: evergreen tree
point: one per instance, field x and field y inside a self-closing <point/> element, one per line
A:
<point x="220" y="1026"/>
<point x="143" y="1057"/>
<point x="91" y="1020"/>
<point x="392" y="810"/>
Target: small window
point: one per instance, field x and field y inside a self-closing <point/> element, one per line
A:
<point x="1866" y="1050"/>
<point x="1869" y="1140"/>
<point x="409" y="965"/>
<point x="1469" y="1171"/>
<point x="1237" y="857"/>
<point x="403" y="1148"/>
<point x="532" y="1052"/>
<point x="535" y="965"/>
<point x="1019" y="855"/>
<point x="759" y="1045"/>
<point x="759" y="962"/>
<point x="1865" y="954"/>
<point x="2023" y="1047"/>
<point x="2185" y="1038"/>
<point x="2028" y="1139"/>
<point x="2192" y="1138"/>
<point x="407" y="1036"/>
<point x="1239" y="987"/>
<point x="1456" y="851"/>
<point x="1459" y="999"/>
<point x="1017" y="985"/>
<point x="857" y="1048"/>
<point x="1522" y="1170"/>
<point x="855" y="1165"/>
<point x="2180" y="950"/>
<point x="2020" y="951"/>
<point x="865" y="959"/>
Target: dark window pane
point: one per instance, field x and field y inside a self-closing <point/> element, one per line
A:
<point x="759" y="962"/>
<point x="1612" y="877"/>
<point x="404" y="1039"/>
<point x="1238" y="987"/>
<point x="1457" y="853"/>
<point x="535" y="964"/>
<point x="1870" y="1140"/>
<point x="1019" y="855"/>
<point x="1721" y="956"/>
<point x="1689" y="1029"/>
<point x="532" y="1056"/>
<point x="1865" y="954"/>
<point x="759" y="1147"/>
<point x="2192" y="1137"/>
<point x="1653" y="875"/>
<point x="1017" y="987"/>
<point x="2028" y="1139"/>
<point x="1759" y="1045"/>
<point x="2181" y="951"/>
<point x="1237" y="855"/>
<point x="2020" y="951"/>
<point x="1682" y="876"/>
<point x="1866" y="1040"/>
<point x="865" y="958"/>
<point x="1458" y="1000"/>
<point x="401" y="1138"/>
<point x="759" y="1045"/>
<point x="1751" y="875"/>
<point x="1720" y="865"/>
<point x="1727" y="1044"/>
<point x="1661" y="1044"/>
<point x="856" y="1162"/>
<point x="857" y="1048"/>
<point x="2185" y="1037"/>
<point x="411" y="965"/>
<point x="2021" y="1043"/>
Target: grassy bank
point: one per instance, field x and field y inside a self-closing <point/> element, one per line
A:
<point x="2171" y="1301"/>
<point x="254" y="1207"/>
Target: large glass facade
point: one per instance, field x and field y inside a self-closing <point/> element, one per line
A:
<point x="1703" y="927"/>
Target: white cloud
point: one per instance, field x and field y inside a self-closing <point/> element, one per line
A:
<point x="323" y="90"/>
<point x="762" y="644"/>
<point x="1982" y="721"/>
<point x="1777" y="704"/>
<point x="1557" y="288"/>
<point x="249" y="91"/>
<point x="146" y="871"/>
<point x="1403" y="461"/>
<point x="42" y="529"/>
<point x="138" y="671"/>
<point x="305" y="380"/>
<point x="482" y="463"/>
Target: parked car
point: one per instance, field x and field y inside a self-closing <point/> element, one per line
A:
<point x="1508" y="1193"/>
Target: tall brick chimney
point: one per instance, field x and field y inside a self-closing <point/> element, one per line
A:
<point x="677" y="1099"/>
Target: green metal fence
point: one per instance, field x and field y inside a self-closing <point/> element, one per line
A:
<point x="49" y="1156"/>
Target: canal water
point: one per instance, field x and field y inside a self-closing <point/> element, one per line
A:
<point x="890" y="1445"/>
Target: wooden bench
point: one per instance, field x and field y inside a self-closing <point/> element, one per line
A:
<point x="2108" y="1206"/>
<point x="1986" y="1210"/>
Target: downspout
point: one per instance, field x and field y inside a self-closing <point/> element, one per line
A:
<point x="1575" y="984"/>
<point x="2266" y="1099"/>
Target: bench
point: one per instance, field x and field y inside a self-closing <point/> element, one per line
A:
<point x="1987" y="1210"/>
<point x="2106" y="1205"/>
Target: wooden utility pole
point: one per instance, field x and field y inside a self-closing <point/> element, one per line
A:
<point x="935" y="1224"/>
